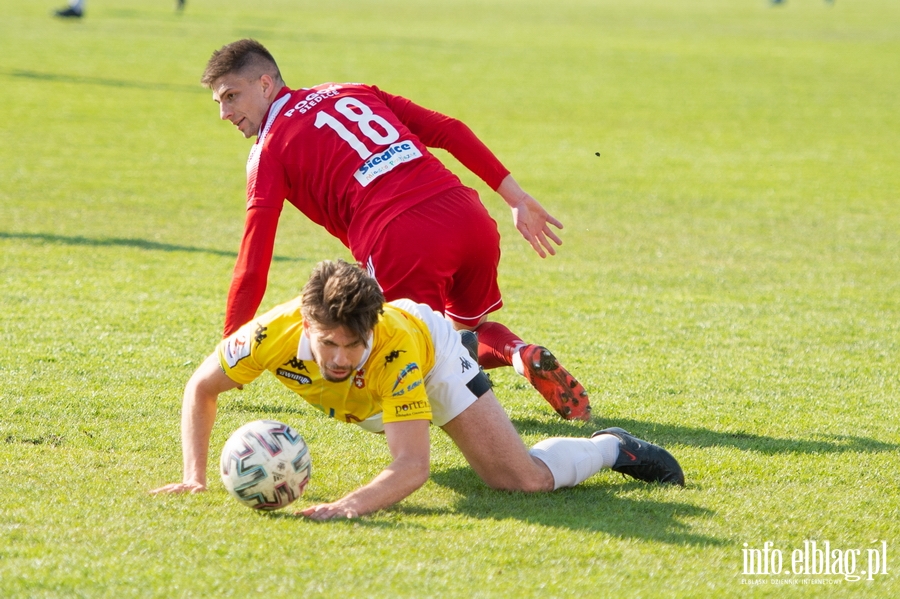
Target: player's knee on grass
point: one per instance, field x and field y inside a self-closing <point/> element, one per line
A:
<point x="527" y="478"/>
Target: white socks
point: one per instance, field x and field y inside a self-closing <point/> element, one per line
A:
<point x="573" y="460"/>
<point x="517" y="363"/>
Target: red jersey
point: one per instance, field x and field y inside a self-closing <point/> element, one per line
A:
<point x="351" y="158"/>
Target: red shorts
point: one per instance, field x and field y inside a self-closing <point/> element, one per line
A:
<point x="442" y="252"/>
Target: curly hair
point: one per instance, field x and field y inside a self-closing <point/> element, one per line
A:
<point x="342" y="294"/>
<point x="244" y="56"/>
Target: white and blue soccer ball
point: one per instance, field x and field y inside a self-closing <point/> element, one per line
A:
<point x="265" y="465"/>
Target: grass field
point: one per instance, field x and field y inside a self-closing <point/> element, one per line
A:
<point x="729" y="287"/>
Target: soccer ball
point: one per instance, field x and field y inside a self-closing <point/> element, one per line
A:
<point x="265" y="464"/>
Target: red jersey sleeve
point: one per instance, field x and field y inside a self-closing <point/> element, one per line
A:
<point x="438" y="130"/>
<point x="251" y="272"/>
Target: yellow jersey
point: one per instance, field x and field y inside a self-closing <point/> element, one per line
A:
<point x="388" y="381"/>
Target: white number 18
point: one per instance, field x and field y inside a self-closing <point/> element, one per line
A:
<point x="364" y="118"/>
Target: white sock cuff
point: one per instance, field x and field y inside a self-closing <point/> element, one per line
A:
<point x="517" y="363"/>
<point x="570" y="461"/>
<point x="609" y="446"/>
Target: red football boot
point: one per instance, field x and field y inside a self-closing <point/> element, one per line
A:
<point x="554" y="382"/>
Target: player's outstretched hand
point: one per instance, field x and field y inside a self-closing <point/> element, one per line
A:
<point x="533" y="222"/>
<point x="328" y="511"/>
<point x="530" y="218"/>
<point x="180" y="488"/>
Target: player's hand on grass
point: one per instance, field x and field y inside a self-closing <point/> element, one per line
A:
<point x="328" y="511"/>
<point x="186" y="487"/>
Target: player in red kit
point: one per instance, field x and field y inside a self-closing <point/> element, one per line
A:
<point x="355" y="160"/>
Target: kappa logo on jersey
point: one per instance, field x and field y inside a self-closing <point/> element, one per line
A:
<point x="399" y="388"/>
<point x="393" y="355"/>
<point x="260" y="333"/>
<point x="307" y="103"/>
<point x="385" y="162"/>
<point x="296" y="364"/>
<point x="237" y="347"/>
<point x="465" y="363"/>
<point x="294" y="376"/>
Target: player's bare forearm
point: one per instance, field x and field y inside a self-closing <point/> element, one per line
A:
<point x="197" y="418"/>
<point x="409" y="444"/>
<point x="394" y="484"/>
<point x="530" y="218"/>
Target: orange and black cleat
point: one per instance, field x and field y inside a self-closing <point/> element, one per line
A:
<point x="554" y="382"/>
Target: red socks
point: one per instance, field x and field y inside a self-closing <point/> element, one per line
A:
<point x="496" y="345"/>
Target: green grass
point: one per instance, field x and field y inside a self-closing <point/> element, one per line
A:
<point x="729" y="287"/>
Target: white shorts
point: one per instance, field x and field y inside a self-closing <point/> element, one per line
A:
<point x="453" y="369"/>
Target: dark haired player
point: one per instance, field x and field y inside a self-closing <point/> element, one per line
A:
<point x="355" y="160"/>
<point x="393" y="368"/>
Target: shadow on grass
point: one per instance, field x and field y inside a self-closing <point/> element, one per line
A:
<point x="594" y="508"/>
<point x="142" y="244"/>
<point x="666" y="434"/>
<point x="105" y="81"/>
<point x="597" y="508"/>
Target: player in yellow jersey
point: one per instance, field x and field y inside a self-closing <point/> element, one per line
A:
<point x="393" y="368"/>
